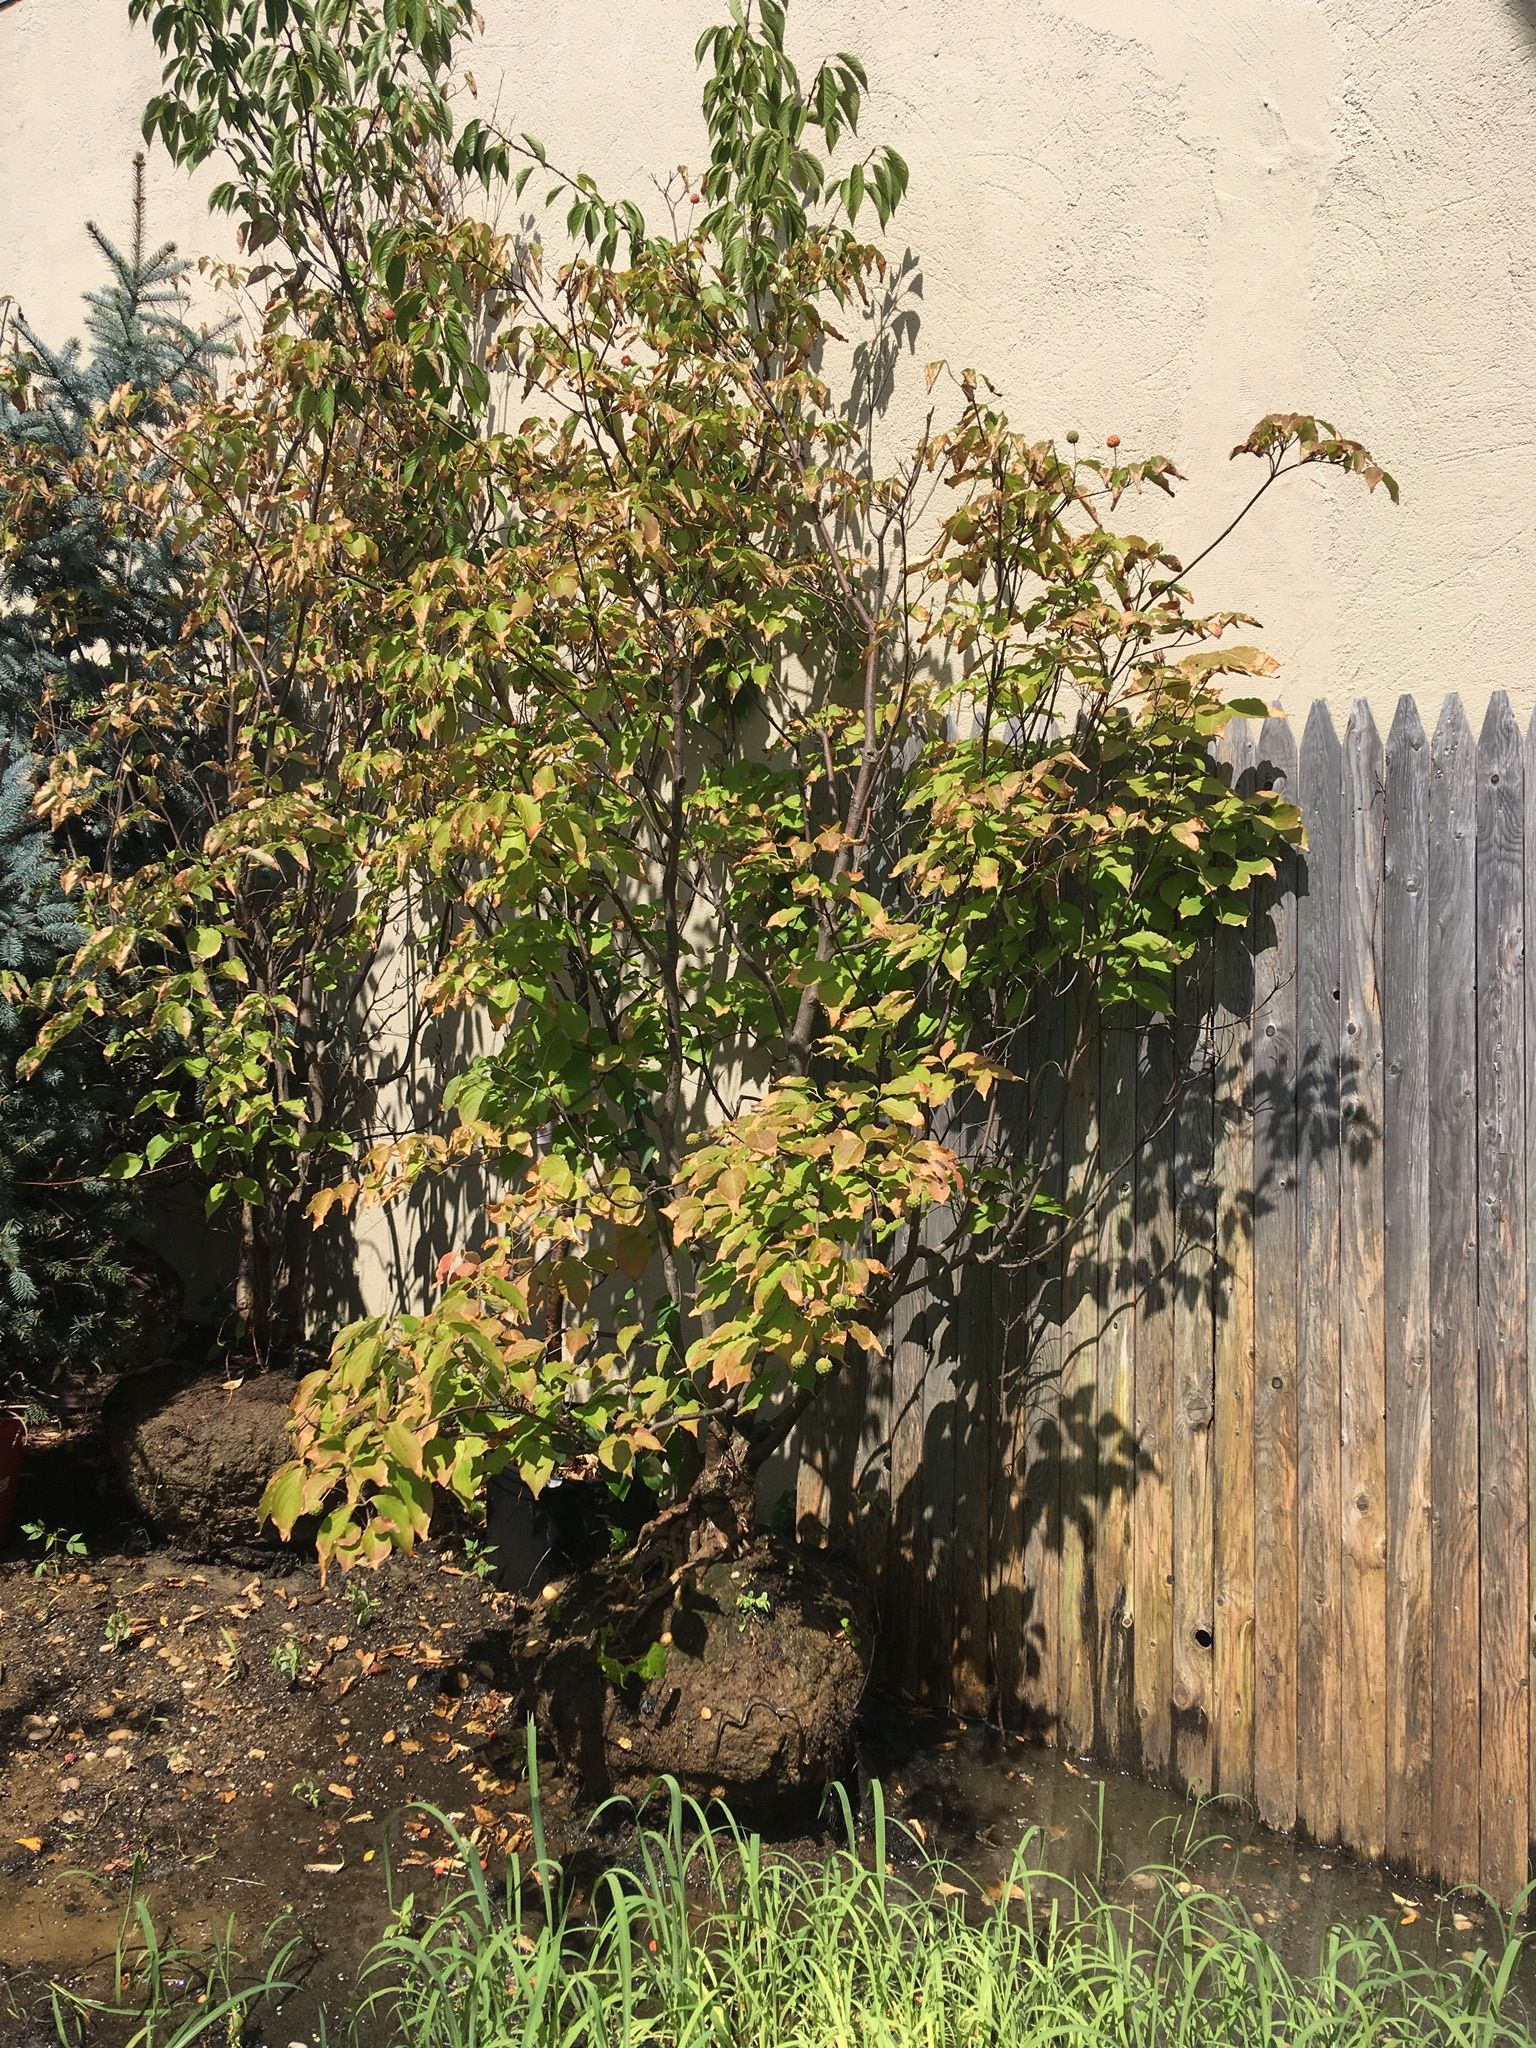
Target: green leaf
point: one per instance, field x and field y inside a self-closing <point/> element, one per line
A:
<point x="282" y="1502"/>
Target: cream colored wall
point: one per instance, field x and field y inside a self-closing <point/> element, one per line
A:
<point x="1154" y="217"/>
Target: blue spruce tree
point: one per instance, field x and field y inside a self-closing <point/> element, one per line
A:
<point x="83" y="593"/>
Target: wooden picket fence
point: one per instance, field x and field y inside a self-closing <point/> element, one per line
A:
<point x="1235" y="1489"/>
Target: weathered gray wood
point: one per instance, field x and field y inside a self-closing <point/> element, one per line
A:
<point x="1156" y="1277"/>
<point x="1274" y="1266"/>
<point x="1362" y="1367"/>
<point x="1319" y="1562"/>
<point x="1502" y="1388"/>
<point x="1232" y="1502"/>
<point x="1314" y="1278"/>
<point x="1456" y="1796"/>
<point x="1194" y="1629"/>
<point x="1405" y="1029"/>
<point x="1530" y="1209"/>
<point x="1116" y="1416"/>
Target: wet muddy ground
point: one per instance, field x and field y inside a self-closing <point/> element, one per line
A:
<point x="238" y="1747"/>
<point x="232" y="1745"/>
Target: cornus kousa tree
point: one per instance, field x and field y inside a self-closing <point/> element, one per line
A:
<point x="759" y="786"/>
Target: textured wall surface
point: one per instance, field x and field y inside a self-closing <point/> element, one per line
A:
<point x="1153" y="217"/>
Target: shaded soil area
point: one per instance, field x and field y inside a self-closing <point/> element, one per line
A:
<point x="239" y="1747"/>
<point x="225" y="1743"/>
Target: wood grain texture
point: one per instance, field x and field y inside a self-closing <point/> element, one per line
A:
<point x="1318" y="1533"/>
<point x="1007" y="1616"/>
<point x="1248" y="1501"/>
<point x="1116" y="1400"/>
<point x="1274" y="1287"/>
<point x="902" y="1646"/>
<point x="1040" y="1312"/>
<point x="973" y="1428"/>
<point x="937" y="1602"/>
<point x="1530" y="1225"/>
<point x="1194" y="1630"/>
<point x="1502" y="1389"/>
<point x="1405" y="1036"/>
<point x="1152" y="1507"/>
<point x="1362" y="1364"/>
<point x="1232" y="1503"/>
<point x="1456" y="1796"/>
<point x="1077" y="1673"/>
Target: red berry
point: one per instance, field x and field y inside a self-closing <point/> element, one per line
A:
<point x="1113" y="441"/>
<point x="388" y="313"/>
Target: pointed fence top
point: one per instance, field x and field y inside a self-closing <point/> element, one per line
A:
<point x="1452" y="727"/>
<point x="1407" y="726"/>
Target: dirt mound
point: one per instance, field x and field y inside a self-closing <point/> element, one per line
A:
<point x="195" y="1454"/>
<point x="741" y="1678"/>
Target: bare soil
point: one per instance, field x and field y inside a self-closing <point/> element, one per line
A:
<point x="226" y="1742"/>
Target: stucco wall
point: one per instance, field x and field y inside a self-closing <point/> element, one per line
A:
<point x="1154" y="217"/>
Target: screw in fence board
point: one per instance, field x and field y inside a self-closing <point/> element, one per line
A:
<point x="1077" y="1675"/>
<point x="1274" y="1287"/>
<point x="1232" y="1695"/>
<point x="1456" y="1793"/>
<point x="1117" y="1387"/>
<point x="1194" y="1631"/>
<point x="1155" y="1278"/>
<point x="1319" y="1570"/>
<point x="1362" y="1364"/>
<point x="1405" y="1039"/>
<point x="1501" y="1244"/>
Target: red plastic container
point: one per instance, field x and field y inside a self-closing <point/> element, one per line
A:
<point x="13" y="1437"/>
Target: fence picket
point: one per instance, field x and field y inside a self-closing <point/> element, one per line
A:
<point x="1274" y="1267"/>
<point x="1362" y="1365"/>
<point x="1232" y="1503"/>
<point x="1042" y="1343"/>
<point x="1319" y="1563"/>
<point x="1405" y="979"/>
<point x="1502" y="1394"/>
<point x="1194" y="1629"/>
<point x="1077" y="1674"/>
<point x="1116" y="1390"/>
<point x="1456" y="1797"/>
<point x="1530" y="1211"/>
<point x="1152" y="1504"/>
